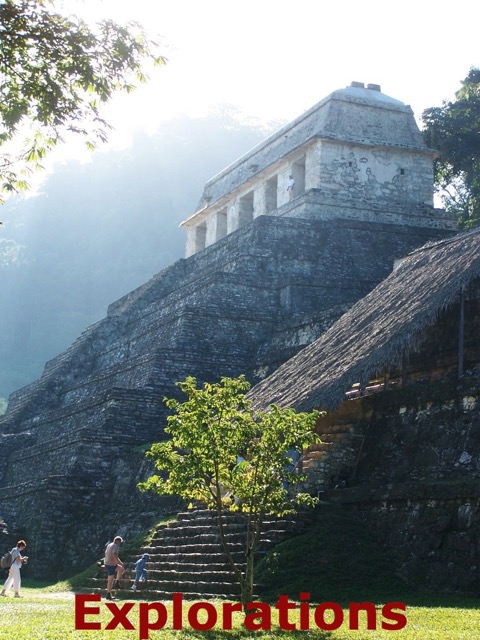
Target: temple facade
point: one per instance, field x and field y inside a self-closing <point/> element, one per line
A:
<point x="357" y="154"/>
<point x="284" y="242"/>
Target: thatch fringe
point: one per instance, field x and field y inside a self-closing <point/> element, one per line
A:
<point x="375" y="333"/>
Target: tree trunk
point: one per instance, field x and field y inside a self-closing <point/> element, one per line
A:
<point x="246" y="582"/>
<point x="254" y="528"/>
<point x="236" y="571"/>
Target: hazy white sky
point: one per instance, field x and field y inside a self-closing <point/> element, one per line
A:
<point x="274" y="59"/>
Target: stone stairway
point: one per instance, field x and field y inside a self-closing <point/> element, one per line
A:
<point x="332" y="461"/>
<point x="186" y="556"/>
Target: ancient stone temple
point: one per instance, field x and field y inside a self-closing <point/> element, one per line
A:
<point x="285" y="241"/>
<point x="356" y="155"/>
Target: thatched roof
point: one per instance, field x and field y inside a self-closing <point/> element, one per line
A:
<point x="372" y="336"/>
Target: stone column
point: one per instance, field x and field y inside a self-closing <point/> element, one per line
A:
<point x="312" y="166"/>
<point x="190" y="245"/>
<point x="196" y="237"/>
<point x="259" y="207"/>
<point x="232" y="216"/>
<point x="283" y="194"/>
<point x="270" y="194"/>
<point x="216" y="227"/>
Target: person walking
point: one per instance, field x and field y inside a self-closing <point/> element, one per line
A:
<point x="113" y="564"/>
<point x="14" y="572"/>
<point x="141" y="574"/>
<point x="290" y="185"/>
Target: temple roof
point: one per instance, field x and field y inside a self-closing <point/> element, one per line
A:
<point x="362" y="94"/>
<point x="354" y="115"/>
<point x="372" y="336"/>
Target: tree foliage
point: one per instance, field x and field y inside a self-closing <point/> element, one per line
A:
<point x="229" y="457"/>
<point x="454" y="130"/>
<point x="55" y="73"/>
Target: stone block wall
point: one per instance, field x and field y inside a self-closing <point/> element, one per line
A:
<point x="414" y="478"/>
<point x="333" y="462"/>
<point x="431" y="530"/>
<point x="243" y="306"/>
<point x="329" y="204"/>
<point x="345" y="116"/>
<point x="357" y="144"/>
<point x="361" y="172"/>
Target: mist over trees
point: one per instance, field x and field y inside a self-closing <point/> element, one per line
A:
<point x="98" y="230"/>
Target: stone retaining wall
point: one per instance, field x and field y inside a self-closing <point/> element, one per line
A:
<point x="410" y="460"/>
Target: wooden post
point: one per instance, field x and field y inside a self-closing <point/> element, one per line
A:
<point x="461" y="334"/>
<point x="404" y="368"/>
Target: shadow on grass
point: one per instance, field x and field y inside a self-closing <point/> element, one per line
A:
<point x="410" y="598"/>
<point x="441" y="601"/>
<point x="245" y="633"/>
<point x="31" y="583"/>
<point x="337" y="560"/>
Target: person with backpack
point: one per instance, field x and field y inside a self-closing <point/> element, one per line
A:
<point x="17" y="560"/>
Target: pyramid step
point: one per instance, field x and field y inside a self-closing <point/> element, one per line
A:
<point x="209" y="575"/>
<point x="196" y="548"/>
<point x="206" y="521"/>
<point x="175" y="583"/>
<point x="193" y="558"/>
<point x="206" y="514"/>
<point x="208" y="536"/>
<point x="199" y="566"/>
<point x="187" y="557"/>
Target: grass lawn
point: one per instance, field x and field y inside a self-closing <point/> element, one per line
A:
<point x="336" y="561"/>
<point x="46" y="614"/>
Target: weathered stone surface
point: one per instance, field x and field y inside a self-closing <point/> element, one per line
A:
<point x="244" y="305"/>
<point x="73" y="441"/>
<point x="414" y="477"/>
<point x="358" y="154"/>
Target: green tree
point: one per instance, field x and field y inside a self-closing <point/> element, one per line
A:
<point x="229" y="457"/>
<point x="454" y="130"/>
<point x="55" y="73"/>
